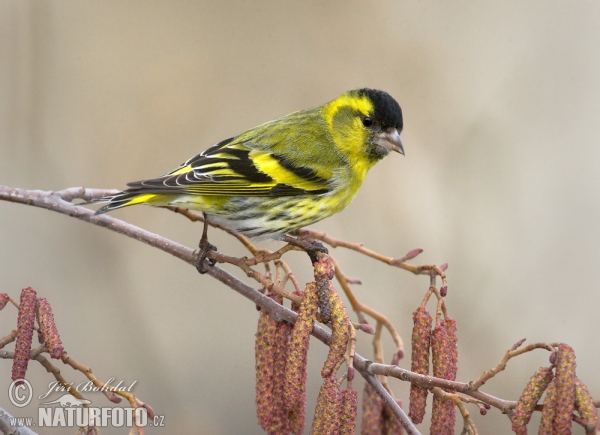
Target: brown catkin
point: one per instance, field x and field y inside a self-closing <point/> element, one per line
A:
<point x="297" y="419"/>
<point x="442" y="416"/>
<point x="25" y="325"/>
<point x="328" y="413"/>
<point x="549" y="411"/>
<point x="565" y="388"/>
<point x="265" y="362"/>
<point x="444" y="355"/>
<point x="373" y="422"/>
<point x="294" y="392"/>
<point x="281" y="422"/>
<point x="349" y="412"/>
<point x="585" y="404"/>
<point x="340" y="334"/>
<point x="48" y="329"/>
<point x="323" y="273"/>
<point x="421" y="344"/>
<point x="529" y="398"/>
<point x="297" y="416"/>
<point x="451" y="349"/>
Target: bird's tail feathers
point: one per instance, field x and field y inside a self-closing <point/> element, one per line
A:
<point x="123" y="199"/>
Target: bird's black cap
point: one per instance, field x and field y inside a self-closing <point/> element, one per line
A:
<point x="387" y="110"/>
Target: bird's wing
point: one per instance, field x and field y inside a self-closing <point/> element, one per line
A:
<point x="236" y="167"/>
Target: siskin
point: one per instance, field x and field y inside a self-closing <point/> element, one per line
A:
<point x="281" y="175"/>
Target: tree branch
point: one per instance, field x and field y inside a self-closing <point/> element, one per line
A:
<point x="59" y="202"/>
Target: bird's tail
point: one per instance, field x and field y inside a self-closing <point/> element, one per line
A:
<point x="122" y="199"/>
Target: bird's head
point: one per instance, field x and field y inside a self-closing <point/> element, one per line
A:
<point x="365" y="123"/>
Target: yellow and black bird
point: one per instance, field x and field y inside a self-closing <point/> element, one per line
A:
<point x="281" y="175"/>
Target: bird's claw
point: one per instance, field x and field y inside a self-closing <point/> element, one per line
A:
<point x="313" y="248"/>
<point x="205" y="248"/>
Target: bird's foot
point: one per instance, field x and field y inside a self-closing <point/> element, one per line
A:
<point x="312" y="247"/>
<point x="203" y="253"/>
<point x="315" y="247"/>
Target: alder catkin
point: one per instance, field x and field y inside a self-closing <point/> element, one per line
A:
<point x="25" y="325"/>
<point x="451" y="349"/>
<point x="565" y="388"/>
<point x="584" y="403"/>
<point x="529" y="398"/>
<point x="444" y="352"/>
<point x="340" y="334"/>
<point x="281" y="417"/>
<point x="328" y="412"/>
<point x="349" y="412"/>
<point x="373" y="422"/>
<point x="324" y="272"/>
<point x="442" y="416"/>
<point x="421" y="344"/>
<point x="294" y="393"/>
<point x="265" y="362"/>
<point x="48" y="330"/>
<point x="549" y="411"/>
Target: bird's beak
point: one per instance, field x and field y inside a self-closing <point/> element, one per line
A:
<point x="390" y="140"/>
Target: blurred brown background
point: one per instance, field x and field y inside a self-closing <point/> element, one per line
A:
<point x="500" y="179"/>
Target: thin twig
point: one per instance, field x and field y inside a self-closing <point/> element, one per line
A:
<point x="351" y="350"/>
<point x="267" y="283"/>
<point x="8" y="339"/>
<point x="359" y="247"/>
<point x="55" y="371"/>
<point x="513" y="352"/>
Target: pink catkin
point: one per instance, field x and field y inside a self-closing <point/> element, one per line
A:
<point x="349" y="411"/>
<point x="328" y="413"/>
<point x="549" y="411"/>
<point x="25" y="325"/>
<point x="584" y="403"/>
<point x="452" y="348"/>
<point x="529" y="398"/>
<point x="48" y="330"/>
<point x="444" y="357"/>
<point x="373" y="422"/>
<point x="565" y="388"/>
<point x="442" y="416"/>
<point x="281" y="423"/>
<point x="272" y="344"/>
<point x="421" y="344"/>
<point x="340" y="334"/>
<point x="265" y="361"/>
<point x="294" y="393"/>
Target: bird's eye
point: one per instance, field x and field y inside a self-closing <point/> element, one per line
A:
<point x="367" y="121"/>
